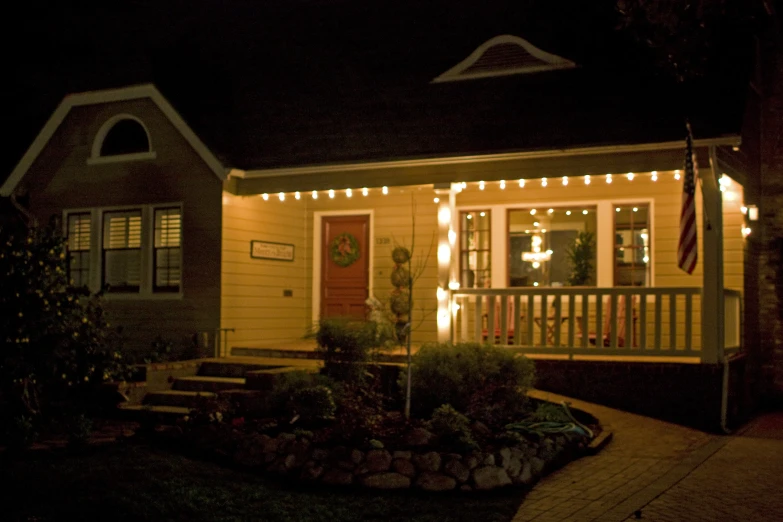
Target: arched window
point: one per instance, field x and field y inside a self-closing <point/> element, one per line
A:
<point x="121" y="138"/>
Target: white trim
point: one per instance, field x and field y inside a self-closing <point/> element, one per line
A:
<point x="121" y="158"/>
<point x="552" y="61"/>
<point x="108" y="125"/>
<point x="147" y="264"/>
<point x="317" y="252"/>
<point x="109" y="96"/>
<point x="485" y="158"/>
<point x="501" y="261"/>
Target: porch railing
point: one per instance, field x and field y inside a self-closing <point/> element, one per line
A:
<point x="589" y="321"/>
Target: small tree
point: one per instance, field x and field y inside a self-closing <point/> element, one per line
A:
<point x="581" y="255"/>
<point x="55" y="341"/>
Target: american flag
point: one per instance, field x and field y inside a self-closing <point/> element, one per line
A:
<point x="687" y="248"/>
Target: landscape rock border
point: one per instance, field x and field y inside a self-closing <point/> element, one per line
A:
<point x="296" y="457"/>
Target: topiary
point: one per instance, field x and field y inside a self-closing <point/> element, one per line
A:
<point x="399" y="302"/>
<point x="401" y="277"/>
<point x="401" y="255"/>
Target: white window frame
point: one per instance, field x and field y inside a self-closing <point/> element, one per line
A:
<point x="95" y="153"/>
<point x="604" y="236"/>
<point x="147" y="250"/>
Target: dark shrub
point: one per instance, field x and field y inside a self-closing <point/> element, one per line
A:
<point x="287" y="385"/>
<point x="452" y="429"/>
<point x="315" y="403"/>
<point x="346" y="345"/>
<point x="483" y="382"/>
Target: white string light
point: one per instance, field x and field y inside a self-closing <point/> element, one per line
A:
<point x="565" y="181"/>
<point x="365" y="191"/>
<point x="630" y="176"/>
<point x="587" y="179"/>
<point x="502" y="184"/>
<point x="543" y="182"/>
<point x="608" y="179"/>
<point x="677" y="175"/>
<point x="568" y="212"/>
<point x="436" y="200"/>
<point x="297" y="195"/>
<point x="385" y="190"/>
<point x="348" y="193"/>
<point x="315" y="194"/>
<point x="521" y="183"/>
<point x="550" y="211"/>
<point x="654" y="176"/>
<point x="584" y="212"/>
<point x="265" y="196"/>
<point x="481" y="185"/>
<point x="533" y="212"/>
<point x="331" y="193"/>
<point x="281" y="196"/>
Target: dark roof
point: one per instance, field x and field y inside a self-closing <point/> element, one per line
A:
<point x="324" y="82"/>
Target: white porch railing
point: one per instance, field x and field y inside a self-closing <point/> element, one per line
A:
<point x="589" y="321"/>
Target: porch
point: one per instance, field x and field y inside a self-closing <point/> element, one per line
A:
<point x="633" y="323"/>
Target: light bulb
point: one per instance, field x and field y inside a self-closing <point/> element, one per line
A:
<point x="543" y="182"/>
<point x="677" y="175"/>
<point x="565" y="180"/>
<point x="331" y="193"/>
<point x="533" y="212"/>
<point x="385" y="190"/>
<point x="630" y="176"/>
<point x="348" y="193"/>
<point x="655" y="175"/>
<point x="297" y="195"/>
<point x="365" y="191"/>
<point x="481" y="185"/>
<point x="521" y="183"/>
<point x="608" y="178"/>
<point x="587" y="179"/>
<point x="502" y="184"/>
<point x="281" y="196"/>
<point x="315" y="194"/>
<point x="265" y="196"/>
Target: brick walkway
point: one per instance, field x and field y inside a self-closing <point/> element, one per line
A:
<point x="669" y="472"/>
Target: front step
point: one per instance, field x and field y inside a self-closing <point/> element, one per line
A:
<point x="161" y="414"/>
<point x="177" y="398"/>
<point x="203" y="383"/>
<point x="275" y="353"/>
<point x="231" y="368"/>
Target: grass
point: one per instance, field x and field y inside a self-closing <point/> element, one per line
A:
<point x="135" y="482"/>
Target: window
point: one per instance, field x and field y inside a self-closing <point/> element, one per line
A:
<point x="167" y="255"/>
<point x="540" y="241"/>
<point x="475" y="253"/>
<point x="122" y="251"/>
<point x="78" y="234"/>
<point x="137" y="251"/>
<point x="127" y="136"/>
<point x="632" y="245"/>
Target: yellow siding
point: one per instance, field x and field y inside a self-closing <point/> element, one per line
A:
<point x="252" y="300"/>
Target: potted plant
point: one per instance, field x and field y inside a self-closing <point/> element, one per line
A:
<point x="581" y="256"/>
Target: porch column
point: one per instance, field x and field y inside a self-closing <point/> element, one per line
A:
<point x="446" y="255"/>
<point x="712" y="307"/>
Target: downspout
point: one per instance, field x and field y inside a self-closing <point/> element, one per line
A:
<point x="724" y="397"/>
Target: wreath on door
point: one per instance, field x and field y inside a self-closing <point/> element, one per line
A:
<point x="344" y="250"/>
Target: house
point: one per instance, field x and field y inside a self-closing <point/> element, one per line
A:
<point x="249" y="233"/>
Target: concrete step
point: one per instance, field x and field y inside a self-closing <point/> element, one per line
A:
<point x="178" y="398"/>
<point x="275" y="353"/>
<point x="161" y="414"/>
<point x="226" y="368"/>
<point x="207" y="383"/>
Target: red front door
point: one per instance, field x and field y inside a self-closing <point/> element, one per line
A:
<point x="345" y="266"/>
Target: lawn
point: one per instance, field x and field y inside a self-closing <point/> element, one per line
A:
<point x="136" y="482"/>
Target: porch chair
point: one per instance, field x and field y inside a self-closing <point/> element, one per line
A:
<point x="607" y="329"/>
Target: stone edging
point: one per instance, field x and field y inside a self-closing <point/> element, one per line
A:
<point x="423" y="468"/>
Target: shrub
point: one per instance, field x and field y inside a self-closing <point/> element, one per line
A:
<point x="346" y="345"/>
<point x="287" y="385"/>
<point x="315" y="403"/>
<point x="452" y="428"/>
<point x="550" y="412"/>
<point x="472" y="378"/>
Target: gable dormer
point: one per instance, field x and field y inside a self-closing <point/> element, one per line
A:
<point x="502" y="56"/>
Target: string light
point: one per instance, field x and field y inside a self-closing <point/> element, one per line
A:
<point x="281" y="196"/>
<point x="365" y="191"/>
<point x="550" y="211"/>
<point x="297" y="195"/>
<point x="587" y="179"/>
<point x="744" y="209"/>
<point x="436" y="200"/>
<point x="636" y="209"/>
<point x="677" y="175"/>
<point x="617" y="209"/>
<point x="608" y="178"/>
<point x="348" y="193"/>
<point x="584" y="212"/>
<point x="533" y="212"/>
<point x="331" y="193"/>
<point x="502" y="184"/>
<point x="315" y="194"/>
<point x="265" y="196"/>
<point x="655" y="175"/>
<point x="385" y="190"/>
<point x="481" y="185"/>
<point x="568" y="212"/>
<point x="521" y="183"/>
<point x="630" y="176"/>
<point x="543" y="182"/>
<point x="565" y="181"/>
